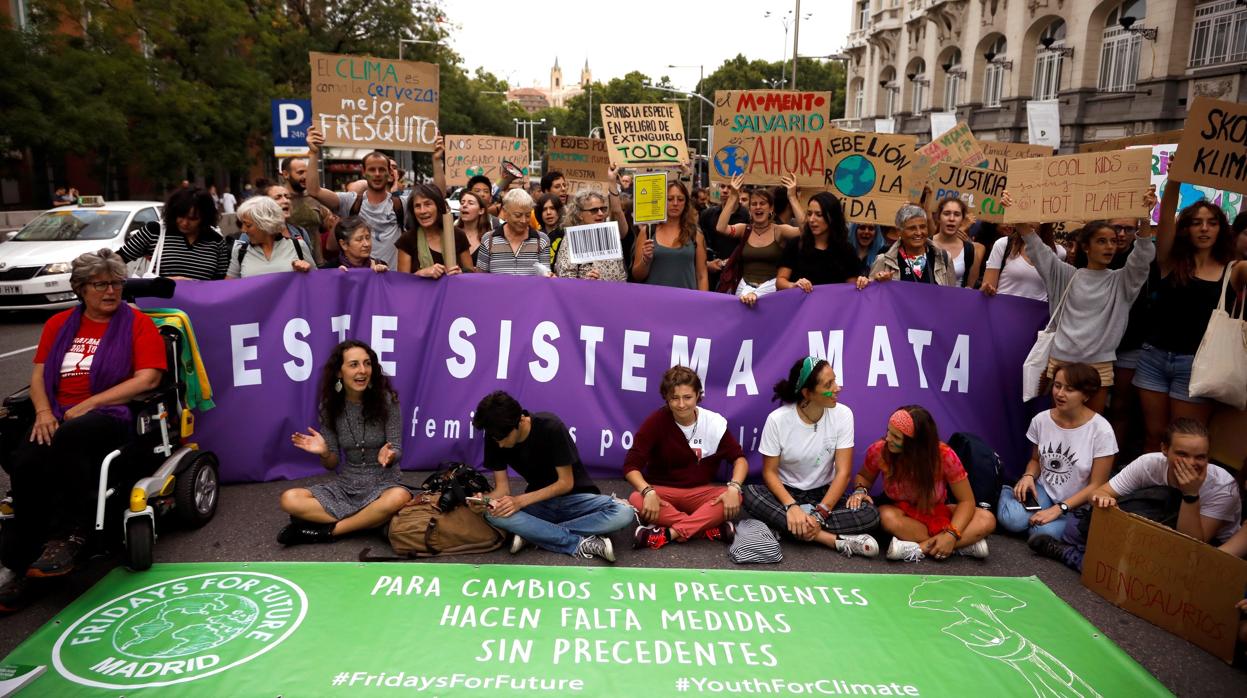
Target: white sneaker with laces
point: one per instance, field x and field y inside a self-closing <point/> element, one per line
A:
<point x="517" y="544"/>
<point x="862" y="544"/>
<point x="905" y="550"/>
<point x="978" y="550"/>
<point x="596" y="546"/>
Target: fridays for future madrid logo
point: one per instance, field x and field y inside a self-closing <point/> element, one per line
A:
<point x="180" y="630"/>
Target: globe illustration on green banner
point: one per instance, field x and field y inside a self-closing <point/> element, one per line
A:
<point x="855" y="176"/>
<point x="731" y="161"/>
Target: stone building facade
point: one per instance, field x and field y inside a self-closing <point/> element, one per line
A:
<point x="1117" y="68"/>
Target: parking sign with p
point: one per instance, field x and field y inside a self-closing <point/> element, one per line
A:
<point x="291" y="119"/>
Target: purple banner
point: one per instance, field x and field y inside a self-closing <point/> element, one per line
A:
<point x="593" y="353"/>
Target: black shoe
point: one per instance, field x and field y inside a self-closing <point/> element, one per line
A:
<point x="15" y="595"/>
<point x="1050" y="547"/>
<point x="297" y="532"/>
<point x="59" y="557"/>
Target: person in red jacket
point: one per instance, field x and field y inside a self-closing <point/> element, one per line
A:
<point x="674" y="458"/>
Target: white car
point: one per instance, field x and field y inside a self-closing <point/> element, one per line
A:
<point x="35" y="263"/>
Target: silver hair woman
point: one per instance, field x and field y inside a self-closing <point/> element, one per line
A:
<point x="586" y="207"/>
<point x="267" y="249"/>
<point x="91" y="361"/>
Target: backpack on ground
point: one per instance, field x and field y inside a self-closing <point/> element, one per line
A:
<point x="421" y="530"/>
<point x="983" y="466"/>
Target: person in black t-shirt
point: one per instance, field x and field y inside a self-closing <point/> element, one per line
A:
<point x="822" y="255"/>
<point x="562" y="510"/>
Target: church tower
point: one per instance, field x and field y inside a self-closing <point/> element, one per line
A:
<point x="585" y="76"/>
<point x="556" y="78"/>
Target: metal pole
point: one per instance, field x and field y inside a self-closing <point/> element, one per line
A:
<point x="701" y="108"/>
<point x="796" y="35"/>
<point x="590" y="127"/>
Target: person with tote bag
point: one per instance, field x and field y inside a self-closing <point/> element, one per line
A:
<point x="1089" y="306"/>
<point x="186" y="244"/>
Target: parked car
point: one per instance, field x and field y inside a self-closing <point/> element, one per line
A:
<point x="35" y="263"/>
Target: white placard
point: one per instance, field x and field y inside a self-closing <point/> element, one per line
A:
<point x="942" y="121"/>
<point x="1043" y="121"/>
<point x="596" y="242"/>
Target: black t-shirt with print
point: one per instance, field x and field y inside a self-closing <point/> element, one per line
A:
<point x="548" y="446"/>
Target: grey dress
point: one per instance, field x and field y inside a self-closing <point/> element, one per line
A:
<point x="361" y="479"/>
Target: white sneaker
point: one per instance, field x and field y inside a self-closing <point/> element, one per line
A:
<point x="906" y="550"/>
<point x="517" y="544"/>
<point x="596" y="546"/>
<point x="978" y="550"/>
<point x="862" y="544"/>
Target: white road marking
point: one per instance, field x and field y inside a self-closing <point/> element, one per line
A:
<point x="18" y="351"/>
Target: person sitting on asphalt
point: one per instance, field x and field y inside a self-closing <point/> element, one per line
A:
<point x="676" y="454"/>
<point x="562" y="510"/>
<point x="361" y="420"/>
<point x="919" y="471"/>
<point x="1072" y="455"/>
<point x="1206" y="499"/>
<point x="91" y="361"/>
<point x="807" y="461"/>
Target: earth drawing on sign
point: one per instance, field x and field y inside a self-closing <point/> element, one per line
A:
<point x="731" y="161"/>
<point x="855" y="176"/>
<point x="185" y="625"/>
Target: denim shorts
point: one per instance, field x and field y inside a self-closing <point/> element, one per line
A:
<point x="1166" y="372"/>
<point x="1128" y="359"/>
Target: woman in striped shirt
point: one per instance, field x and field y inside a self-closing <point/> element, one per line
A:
<point x="193" y="246"/>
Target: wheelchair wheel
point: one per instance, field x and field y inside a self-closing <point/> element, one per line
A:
<point x="140" y="538"/>
<point x="197" y="490"/>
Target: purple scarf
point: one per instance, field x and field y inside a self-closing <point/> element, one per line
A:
<point x="112" y="363"/>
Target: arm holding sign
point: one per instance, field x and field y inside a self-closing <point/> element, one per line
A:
<point x="643" y="254"/>
<point x="794" y="200"/>
<point x="315" y="139"/>
<point x="439" y="164"/>
<point x="613" y="192"/>
<point x="729" y="207"/>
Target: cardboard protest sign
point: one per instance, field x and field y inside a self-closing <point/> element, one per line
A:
<point x="866" y="172"/>
<point x="1122" y="143"/>
<point x="644" y="135"/>
<point x="649" y="197"/>
<point x="1170" y="580"/>
<point x="956" y="146"/>
<point x="583" y="161"/>
<point x="366" y="102"/>
<point x="1091" y="186"/>
<point x="765" y="134"/>
<point x="979" y="188"/>
<point x="469" y="156"/>
<point x="1213" y="148"/>
<point x="999" y="153"/>
<point x="1162" y="160"/>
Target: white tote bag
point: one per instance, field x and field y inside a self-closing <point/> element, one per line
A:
<point x="153" y="267"/>
<point x="1220" y="367"/>
<point x="1036" y="364"/>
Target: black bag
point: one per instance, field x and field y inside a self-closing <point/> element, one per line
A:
<point x="455" y="482"/>
<point x="983" y="466"/>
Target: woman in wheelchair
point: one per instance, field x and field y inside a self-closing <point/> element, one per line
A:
<point x="91" y="361"/>
<point x="361" y="419"/>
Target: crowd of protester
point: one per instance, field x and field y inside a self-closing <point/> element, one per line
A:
<point x="1130" y="308"/>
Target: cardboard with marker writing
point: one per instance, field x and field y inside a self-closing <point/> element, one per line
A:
<point x="1170" y="580"/>
<point x="866" y="172"/>
<point x="367" y="102"/>
<point x="469" y="156"/>
<point x="1213" y="148"/>
<point x="765" y="134"/>
<point x="979" y="188"/>
<point x="1091" y="186"/>
<point x="583" y="161"/>
<point x="957" y="146"/>
<point x="999" y="153"/>
<point x="644" y="135"/>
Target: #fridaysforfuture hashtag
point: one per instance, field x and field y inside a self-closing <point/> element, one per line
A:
<point x="341" y="678"/>
<point x="681" y="685"/>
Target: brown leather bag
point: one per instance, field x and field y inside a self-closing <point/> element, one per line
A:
<point x="420" y="530"/>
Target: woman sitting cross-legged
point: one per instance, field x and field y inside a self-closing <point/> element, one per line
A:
<point x="807" y="461"/>
<point x="918" y="472"/>
<point x="360" y="416"/>
<point x="677" y="452"/>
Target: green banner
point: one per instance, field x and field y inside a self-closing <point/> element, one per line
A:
<point x="322" y="629"/>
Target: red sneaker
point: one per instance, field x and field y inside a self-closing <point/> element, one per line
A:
<point x="725" y="532"/>
<point x="650" y="537"/>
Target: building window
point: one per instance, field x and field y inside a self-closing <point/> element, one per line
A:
<point x="1119" y="54"/>
<point x="952" y="81"/>
<point x="919" y="81"/>
<point x="994" y="74"/>
<point x="889" y="101"/>
<point x="863" y="14"/>
<point x="1048" y="63"/>
<point x="1220" y="34"/>
<point x="859" y="102"/>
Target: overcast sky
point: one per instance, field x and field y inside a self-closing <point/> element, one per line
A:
<point x="518" y="41"/>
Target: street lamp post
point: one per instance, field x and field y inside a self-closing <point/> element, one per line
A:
<point x="411" y="41"/>
<point x="528" y="125"/>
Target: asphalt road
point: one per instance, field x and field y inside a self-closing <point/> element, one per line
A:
<point x="248" y="520"/>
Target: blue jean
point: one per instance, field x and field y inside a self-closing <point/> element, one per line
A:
<point x="1014" y="517"/>
<point x="560" y="523"/>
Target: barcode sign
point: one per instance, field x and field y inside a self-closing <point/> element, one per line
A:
<point x="596" y="242"/>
